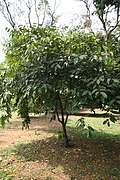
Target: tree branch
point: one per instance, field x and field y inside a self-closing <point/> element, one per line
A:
<point x="10" y="19"/>
<point x="58" y="116"/>
<point x="61" y="107"/>
<point x="117" y="22"/>
<point x="103" y="23"/>
<point x="87" y="5"/>
<point x="36" y="11"/>
<point x="44" y="14"/>
<point x="29" y="6"/>
<point x="66" y="118"/>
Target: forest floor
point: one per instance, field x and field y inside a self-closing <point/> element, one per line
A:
<point x="39" y="154"/>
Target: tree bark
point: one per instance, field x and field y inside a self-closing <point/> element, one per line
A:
<point x="63" y="121"/>
<point x="67" y="144"/>
<point x="9" y="17"/>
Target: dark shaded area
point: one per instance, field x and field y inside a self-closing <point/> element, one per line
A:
<point x="86" y="114"/>
<point x="99" y="156"/>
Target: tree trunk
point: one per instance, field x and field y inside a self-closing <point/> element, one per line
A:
<point x="65" y="135"/>
<point x="63" y="121"/>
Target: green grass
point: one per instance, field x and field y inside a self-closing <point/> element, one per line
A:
<point x="97" y="124"/>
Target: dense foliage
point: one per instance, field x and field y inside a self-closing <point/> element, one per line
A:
<point x="5" y="99"/>
<point x="102" y="4"/>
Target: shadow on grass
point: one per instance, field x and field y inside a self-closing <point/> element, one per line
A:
<point x="87" y="114"/>
<point x="95" y="157"/>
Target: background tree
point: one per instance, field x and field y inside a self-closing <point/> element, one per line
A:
<point x="27" y="12"/>
<point x="104" y="9"/>
<point x="106" y="12"/>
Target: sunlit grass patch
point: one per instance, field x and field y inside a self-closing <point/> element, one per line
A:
<point x="97" y="124"/>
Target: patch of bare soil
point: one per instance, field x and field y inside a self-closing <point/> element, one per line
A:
<point x="13" y="133"/>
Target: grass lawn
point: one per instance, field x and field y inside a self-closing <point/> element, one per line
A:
<point x="39" y="154"/>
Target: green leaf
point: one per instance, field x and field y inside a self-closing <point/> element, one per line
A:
<point x="85" y="93"/>
<point x="98" y="81"/>
<point x="57" y="67"/>
<point x="104" y="95"/>
<point x="94" y="91"/>
<point x="111" y="102"/>
<point x="97" y="94"/>
<point x="108" y="124"/>
<point x="116" y="80"/>
<point x="104" y="122"/>
<point x="90" y="128"/>
<point x="118" y="102"/>
<point x="117" y="97"/>
<point x="113" y="118"/>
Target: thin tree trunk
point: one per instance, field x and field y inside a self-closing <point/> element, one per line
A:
<point x="63" y="121"/>
<point x="65" y="135"/>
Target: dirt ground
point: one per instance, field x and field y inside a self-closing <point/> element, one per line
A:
<point x="13" y="132"/>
